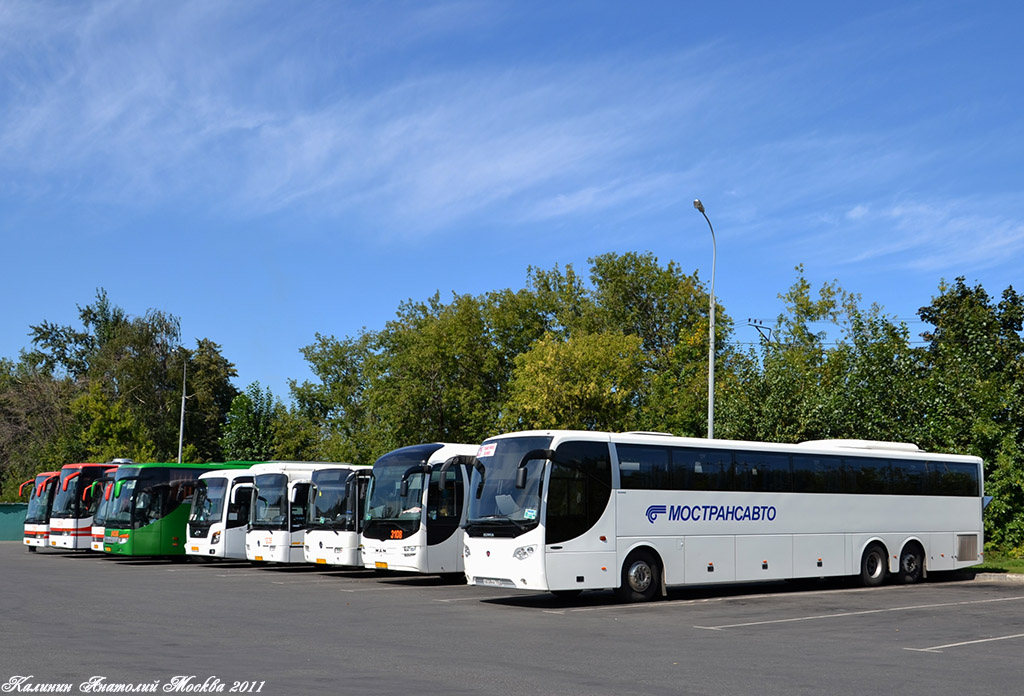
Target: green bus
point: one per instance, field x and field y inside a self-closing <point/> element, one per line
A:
<point x="150" y="505"/>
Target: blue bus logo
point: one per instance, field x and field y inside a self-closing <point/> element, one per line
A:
<point x="655" y="510"/>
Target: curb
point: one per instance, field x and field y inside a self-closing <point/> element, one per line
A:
<point x="1008" y="578"/>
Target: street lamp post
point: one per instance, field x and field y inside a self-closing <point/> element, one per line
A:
<point x="181" y="425"/>
<point x="711" y="329"/>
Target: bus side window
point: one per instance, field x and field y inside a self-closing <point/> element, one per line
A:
<point x="644" y="466"/>
<point x="814" y="473"/>
<point x="762" y="471"/>
<point x="702" y="470"/>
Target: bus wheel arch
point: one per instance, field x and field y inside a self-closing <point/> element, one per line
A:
<point x="874" y="564"/>
<point x="641" y="576"/>
<point x="912" y="563"/>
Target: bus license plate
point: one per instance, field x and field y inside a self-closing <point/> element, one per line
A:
<point x="195" y="548"/>
<point x="383" y="565"/>
<point x="259" y="558"/>
<point x="322" y="561"/>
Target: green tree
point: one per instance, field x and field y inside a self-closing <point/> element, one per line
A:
<point x="250" y="426"/>
<point x="433" y="374"/>
<point x="973" y="396"/>
<point x="109" y="429"/>
<point x="137" y="363"/>
<point x="38" y="431"/>
<point x="588" y="382"/>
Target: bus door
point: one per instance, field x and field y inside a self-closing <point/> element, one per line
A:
<point x="298" y="517"/>
<point x="579" y="523"/>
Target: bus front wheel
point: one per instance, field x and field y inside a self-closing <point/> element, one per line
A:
<point x="873" y="565"/>
<point x="641" y="578"/>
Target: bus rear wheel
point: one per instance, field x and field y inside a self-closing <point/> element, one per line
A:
<point x="641" y="578"/>
<point x="873" y="565"/>
<point x="911" y="564"/>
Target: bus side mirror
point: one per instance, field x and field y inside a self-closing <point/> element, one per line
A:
<point x="403" y="489"/>
<point x="521" y="477"/>
<point x="528" y="457"/>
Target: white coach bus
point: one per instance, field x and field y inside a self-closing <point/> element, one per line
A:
<point x="219" y="517"/>
<point x="414" y="509"/>
<point x="567" y="511"/>
<point x="280" y="510"/>
<point x="337" y="500"/>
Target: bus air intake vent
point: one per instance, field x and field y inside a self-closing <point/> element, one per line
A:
<point x="967" y="547"/>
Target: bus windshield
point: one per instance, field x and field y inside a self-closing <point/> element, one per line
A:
<point x="271" y="510"/>
<point x="208" y="503"/>
<point x="332" y="506"/>
<point x="148" y="494"/>
<point x="104" y="505"/>
<point x="66" y="499"/>
<point x="501" y="505"/>
<point x="385" y="496"/>
<point x="39" y="505"/>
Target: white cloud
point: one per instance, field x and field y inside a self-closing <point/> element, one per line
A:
<point x="857" y="212"/>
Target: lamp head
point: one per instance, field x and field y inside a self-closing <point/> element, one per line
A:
<point x="698" y="205"/>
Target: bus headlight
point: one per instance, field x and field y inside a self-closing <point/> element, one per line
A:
<point x="215" y="539"/>
<point x="523" y="552"/>
<point x="409" y="550"/>
<point x="465" y="551"/>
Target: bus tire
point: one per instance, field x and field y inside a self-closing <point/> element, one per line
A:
<point x="873" y="565"/>
<point x="31" y="549"/>
<point x="911" y="564"/>
<point x="641" y="577"/>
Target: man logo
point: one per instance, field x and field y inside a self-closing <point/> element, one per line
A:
<point x="655" y="510"/>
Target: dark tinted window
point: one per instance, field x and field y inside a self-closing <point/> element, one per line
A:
<point x="817" y="474"/>
<point x="949" y="478"/>
<point x="909" y="477"/>
<point x="644" y="466"/>
<point x="762" y="471"/>
<point x="579" y="489"/>
<point x="866" y="475"/>
<point x="658" y="467"/>
<point x="702" y="469"/>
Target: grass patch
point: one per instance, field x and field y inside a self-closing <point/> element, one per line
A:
<point x="999" y="563"/>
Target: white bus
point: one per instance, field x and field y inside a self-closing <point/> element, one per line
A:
<point x="337" y="501"/>
<point x="219" y="516"/>
<point x="74" y="506"/>
<point x="566" y="511"/>
<point x="40" y="502"/>
<point x="277" y="522"/>
<point x="415" y="508"/>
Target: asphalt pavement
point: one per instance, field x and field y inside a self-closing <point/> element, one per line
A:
<point x="106" y="625"/>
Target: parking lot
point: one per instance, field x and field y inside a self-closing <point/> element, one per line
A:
<point x="304" y="630"/>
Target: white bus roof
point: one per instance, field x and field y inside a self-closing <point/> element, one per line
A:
<point x="229" y="474"/>
<point x="850" y="446"/>
<point x="297" y="467"/>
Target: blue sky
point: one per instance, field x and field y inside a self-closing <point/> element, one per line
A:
<point x="267" y="171"/>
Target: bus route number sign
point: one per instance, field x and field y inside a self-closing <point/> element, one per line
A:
<point x="397" y="533"/>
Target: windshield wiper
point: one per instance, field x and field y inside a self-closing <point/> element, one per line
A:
<point x="498" y="519"/>
<point x="322" y="525"/>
